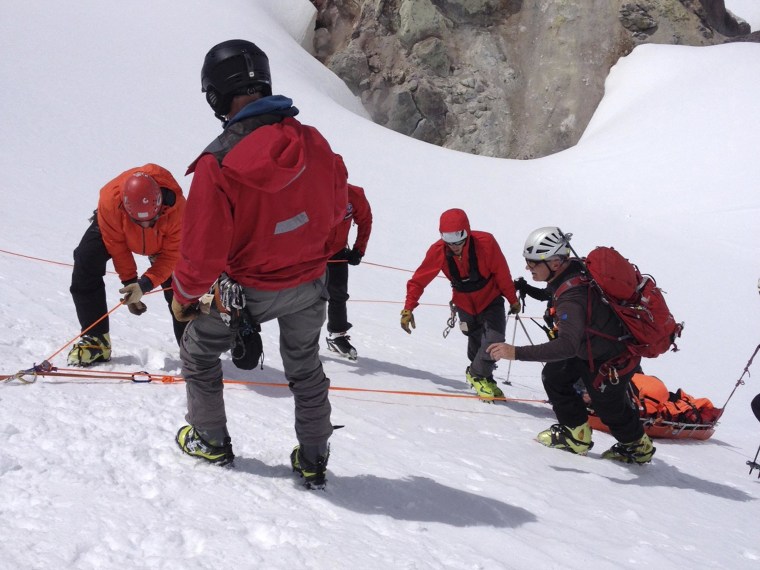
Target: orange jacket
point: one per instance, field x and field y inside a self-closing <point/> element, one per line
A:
<point x="122" y="237"/>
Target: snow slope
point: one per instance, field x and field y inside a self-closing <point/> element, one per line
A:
<point x="90" y="476"/>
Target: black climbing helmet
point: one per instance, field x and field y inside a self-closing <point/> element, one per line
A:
<point x="234" y="67"/>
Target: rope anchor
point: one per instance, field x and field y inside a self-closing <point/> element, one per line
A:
<point x="33" y="373"/>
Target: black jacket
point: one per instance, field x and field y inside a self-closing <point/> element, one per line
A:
<point x="573" y="334"/>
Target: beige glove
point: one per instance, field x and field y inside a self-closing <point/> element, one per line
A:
<point x="407" y="320"/>
<point x="185" y="313"/>
<point x="191" y="311"/>
<point x="132" y="293"/>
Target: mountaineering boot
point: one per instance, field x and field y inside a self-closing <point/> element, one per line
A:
<point x="190" y="441"/>
<point x="575" y="440"/>
<point x="639" y="451"/>
<point x="313" y="473"/>
<point x="338" y="342"/>
<point x="487" y="388"/>
<point x="90" y="349"/>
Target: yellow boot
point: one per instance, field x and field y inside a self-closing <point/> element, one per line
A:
<point x="90" y="350"/>
<point x="487" y="388"/>
<point x="575" y="440"/>
<point x="639" y="451"/>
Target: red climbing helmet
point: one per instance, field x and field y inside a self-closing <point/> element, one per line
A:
<point x="142" y="197"/>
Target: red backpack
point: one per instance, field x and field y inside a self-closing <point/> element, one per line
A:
<point x="635" y="299"/>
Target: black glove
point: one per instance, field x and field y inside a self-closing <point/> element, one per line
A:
<point x="354" y="257"/>
<point x="524" y="288"/>
<point x="341" y="255"/>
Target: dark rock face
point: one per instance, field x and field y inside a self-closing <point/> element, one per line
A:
<point x="502" y="78"/>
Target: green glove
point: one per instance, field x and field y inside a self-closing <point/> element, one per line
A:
<point x="515" y="307"/>
<point x="407" y="320"/>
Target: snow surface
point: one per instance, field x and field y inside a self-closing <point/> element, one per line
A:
<point x="90" y="476"/>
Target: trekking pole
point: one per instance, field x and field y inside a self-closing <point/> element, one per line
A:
<point x="753" y="464"/>
<point x="514" y="334"/>
<point x="525" y="330"/>
<point x="740" y="381"/>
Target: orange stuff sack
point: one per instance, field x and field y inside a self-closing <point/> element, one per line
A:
<point x="651" y="392"/>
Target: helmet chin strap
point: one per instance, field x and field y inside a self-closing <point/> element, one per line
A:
<point x="552" y="273"/>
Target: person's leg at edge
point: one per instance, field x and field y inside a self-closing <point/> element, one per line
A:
<point x="299" y="348"/>
<point x="493" y="322"/>
<point x="615" y="407"/>
<point x="337" y="286"/>
<point x="471" y="328"/>
<point x="205" y="340"/>
<point x="88" y="289"/>
<point x="559" y="383"/>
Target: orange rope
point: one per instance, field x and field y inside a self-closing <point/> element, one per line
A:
<point x="396" y="268"/>
<point x="387" y="267"/>
<point x="57" y="352"/>
<point x="330" y="261"/>
<point x="396" y="302"/>
<point x="44" y="260"/>
<point x="168" y="379"/>
<point x="114" y="273"/>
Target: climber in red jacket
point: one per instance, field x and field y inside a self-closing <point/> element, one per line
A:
<point x="480" y="279"/>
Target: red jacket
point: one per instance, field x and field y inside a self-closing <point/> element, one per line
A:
<point x="491" y="263"/>
<point x="122" y="237"/>
<point x="358" y="211"/>
<point x="264" y="214"/>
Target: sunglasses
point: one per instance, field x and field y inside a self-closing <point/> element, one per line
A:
<point x="532" y="264"/>
<point x="457" y="243"/>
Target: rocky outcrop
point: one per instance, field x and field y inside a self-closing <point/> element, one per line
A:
<point x="504" y="78"/>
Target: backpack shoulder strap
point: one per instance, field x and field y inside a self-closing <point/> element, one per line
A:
<point x="576" y="281"/>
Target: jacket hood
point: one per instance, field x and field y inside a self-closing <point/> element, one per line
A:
<point x="268" y="159"/>
<point x="454" y="220"/>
